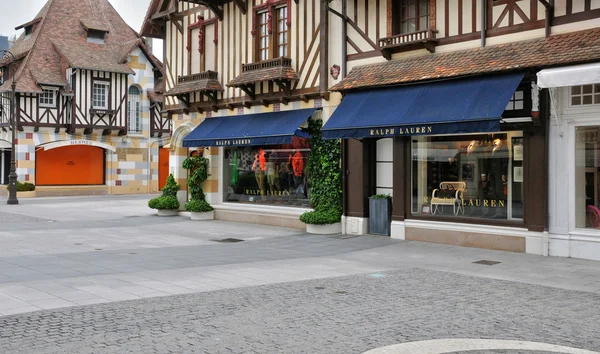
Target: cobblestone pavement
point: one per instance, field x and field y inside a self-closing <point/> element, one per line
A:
<point x="12" y="218"/>
<point x="349" y="314"/>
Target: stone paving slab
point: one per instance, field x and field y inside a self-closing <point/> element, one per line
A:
<point x="350" y="314"/>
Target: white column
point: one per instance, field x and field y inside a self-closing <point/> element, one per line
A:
<point x="2" y="153"/>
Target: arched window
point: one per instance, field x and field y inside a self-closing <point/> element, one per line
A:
<point x="133" y="114"/>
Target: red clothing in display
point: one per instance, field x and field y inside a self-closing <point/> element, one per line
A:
<point x="298" y="164"/>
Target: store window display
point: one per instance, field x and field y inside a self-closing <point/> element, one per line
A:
<point x="270" y="174"/>
<point x="587" y="182"/>
<point x="471" y="176"/>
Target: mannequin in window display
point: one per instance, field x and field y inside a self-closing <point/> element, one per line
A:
<point x="272" y="170"/>
<point x="259" y="166"/>
<point x="298" y="168"/>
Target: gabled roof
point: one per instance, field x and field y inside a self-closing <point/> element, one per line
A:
<point x="59" y="40"/>
<point x="560" y="49"/>
<point x="148" y="28"/>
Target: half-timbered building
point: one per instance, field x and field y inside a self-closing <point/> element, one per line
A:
<point x="442" y="109"/>
<point x="242" y="78"/>
<point x="88" y="103"/>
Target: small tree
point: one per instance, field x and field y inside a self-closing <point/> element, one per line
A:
<point x="168" y="199"/>
<point x="198" y="173"/>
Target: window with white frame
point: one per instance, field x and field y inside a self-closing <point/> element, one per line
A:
<point x="585" y="95"/>
<point x="100" y="95"/>
<point x="47" y="98"/>
<point x="133" y="114"/>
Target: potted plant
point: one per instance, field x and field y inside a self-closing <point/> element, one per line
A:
<point x="324" y="177"/>
<point x="380" y="214"/>
<point x="198" y="173"/>
<point x="167" y="204"/>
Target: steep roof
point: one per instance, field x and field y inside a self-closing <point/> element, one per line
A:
<point x="560" y="49"/>
<point x="59" y="40"/>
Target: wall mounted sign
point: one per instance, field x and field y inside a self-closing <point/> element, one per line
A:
<point x="63" y="143"/>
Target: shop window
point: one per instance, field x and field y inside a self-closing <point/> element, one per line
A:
<point x="587" y="181"/>
<point x="585" y="95"/>
<point x="410" y="16"/>
<point x="475" y="176"/>
<point x="271" y="175"/>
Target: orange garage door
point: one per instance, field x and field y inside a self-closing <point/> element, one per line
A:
<point x="70" y="165"/>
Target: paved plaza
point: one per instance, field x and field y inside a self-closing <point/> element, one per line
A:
<point x="105" y="275"/>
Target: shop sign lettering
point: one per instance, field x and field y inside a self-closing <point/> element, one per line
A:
<point x="488" y="203"/>
<point x="275" y="193"/>
<point x="233" y="142"/>
<point x="423" y="129"/>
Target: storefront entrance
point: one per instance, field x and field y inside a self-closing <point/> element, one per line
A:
<point x="4" y="166"/>
<point x="70" y="165"/>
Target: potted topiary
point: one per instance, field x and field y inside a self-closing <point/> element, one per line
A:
<point x="324" y="178"/>
<point x="167" y="204"/>
<point x="380" y="214"/>
<point x="198" y="173"/>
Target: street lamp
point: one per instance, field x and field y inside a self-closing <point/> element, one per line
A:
<point x="12" y="177"/>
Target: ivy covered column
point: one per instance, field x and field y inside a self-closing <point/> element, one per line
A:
<point x="324" y="178"/>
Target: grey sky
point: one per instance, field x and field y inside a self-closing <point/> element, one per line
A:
<point x="17" y="12"/>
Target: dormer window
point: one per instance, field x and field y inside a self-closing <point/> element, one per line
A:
<point x="29" y="27"/>
<point x="96" y="30"/>
<point x="95" y="36"/>
<point x="28" y="31"/>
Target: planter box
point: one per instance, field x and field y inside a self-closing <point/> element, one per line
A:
<point x="168" y="212"/>
<point x="328" y="229"/>
<point x="201" y="216"/>
<point x="380" y="216"/>
<point x="30" y="194"/>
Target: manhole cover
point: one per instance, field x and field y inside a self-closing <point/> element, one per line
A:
<point x="133" y="216"/>
<point x="486" y="262"/>
<point x="78" y="244"/>
<point x="228" y="240"/>
<point x="98" y="249"/>
<point x="340" y="292"/>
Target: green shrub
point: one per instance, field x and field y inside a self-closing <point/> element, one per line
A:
<point x="23" y="187"/>
<point x="321" y="217"/>
<point x="164" y="202"/>
<point x="198" y="206"/>
<point x="171" y="187"/>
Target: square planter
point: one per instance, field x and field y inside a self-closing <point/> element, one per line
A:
<point x="168" y="212"/>
<point x="327" y="229"/>
<point x="201" y="216"/>
<point x="380" y="216"/>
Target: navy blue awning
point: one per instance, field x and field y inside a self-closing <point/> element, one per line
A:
<point x="250" y="129"/>
<point x="446" y="107"/>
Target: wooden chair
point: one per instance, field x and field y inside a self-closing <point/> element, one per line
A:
<point x="449" y="193"/>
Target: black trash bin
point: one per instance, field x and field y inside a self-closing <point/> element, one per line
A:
<point x="380" y="215"/>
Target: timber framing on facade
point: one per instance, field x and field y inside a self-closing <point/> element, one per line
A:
<point x="72" y="72"/>
<point x="208" y="39"/>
